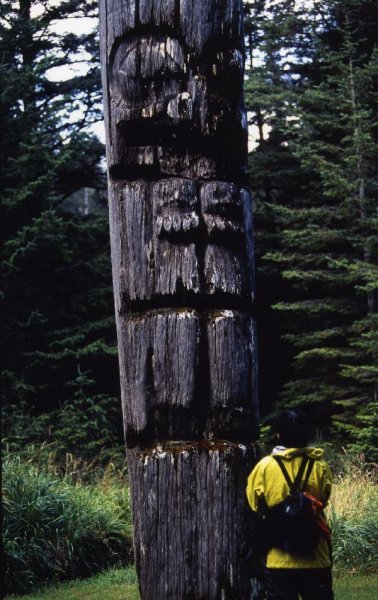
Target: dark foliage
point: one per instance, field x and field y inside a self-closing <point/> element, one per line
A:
<point x="56" y="300"/>
<point x="312" y="93"/>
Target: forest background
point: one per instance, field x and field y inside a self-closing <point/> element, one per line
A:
<point x="311" y="94"/>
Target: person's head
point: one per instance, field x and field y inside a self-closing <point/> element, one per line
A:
<point x="293" y="429"/>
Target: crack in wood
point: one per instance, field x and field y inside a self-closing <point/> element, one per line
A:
<point x="209" y="304"/>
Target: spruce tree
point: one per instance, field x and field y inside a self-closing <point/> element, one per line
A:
<point x="57" y="303"/>
<point x="321" y="256"/>
<point x="276" y="41"/>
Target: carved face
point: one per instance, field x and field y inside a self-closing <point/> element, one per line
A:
<point x="185" y="240"/>
<point x="181" y="221"/>
<point x="177" y="104"/>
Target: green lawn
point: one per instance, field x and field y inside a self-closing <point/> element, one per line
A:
<point x="355" y="587"/>
<point x="118" y="584"/>
<point x="121" y="584"/>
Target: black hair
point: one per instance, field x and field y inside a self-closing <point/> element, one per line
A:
<point x="293" y="428"/>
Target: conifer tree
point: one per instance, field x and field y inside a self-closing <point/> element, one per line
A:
<point x="321" y="256"/>
<point x="57" y="303"/>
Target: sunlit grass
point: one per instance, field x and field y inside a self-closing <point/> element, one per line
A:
<point x="354" y="489"/>
<point x="353" y="516"/>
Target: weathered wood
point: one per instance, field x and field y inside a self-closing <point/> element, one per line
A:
<point x="187" y="375"/>
<point x="155" y="225"/>
<point x="182" y="256"/>
<point x="159" y="373"/>
<point x="187" y="496"/>
<point x="233" y="376"/>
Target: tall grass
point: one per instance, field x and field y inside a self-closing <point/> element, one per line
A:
<point x="353" y="516"/>
<point x="70" y="518"/>
<point x="60" y="528"/>
<point x="107" y="466"/>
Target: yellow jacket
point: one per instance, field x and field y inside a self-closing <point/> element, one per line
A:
<point x="266" y="484"/>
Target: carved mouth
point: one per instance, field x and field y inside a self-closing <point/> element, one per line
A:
<point x="190" y="301"/>
<point x="155" y="148"/>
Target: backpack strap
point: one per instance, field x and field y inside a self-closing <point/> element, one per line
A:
<point x="310" y="464"/>
<point x="295" y="485"/>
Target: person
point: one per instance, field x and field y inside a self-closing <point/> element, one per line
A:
<point x="289" y="576"/>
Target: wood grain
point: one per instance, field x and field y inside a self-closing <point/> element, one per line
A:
<point x="181" y="232"/>
<point x="190" y="497"/>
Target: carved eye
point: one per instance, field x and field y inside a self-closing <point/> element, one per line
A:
<point x="176" y="205"/>
<point x="218" y="62"/>
<point x="145" y="65"/>
<point x="228" y="60"/>
<point x="222" y="209"/>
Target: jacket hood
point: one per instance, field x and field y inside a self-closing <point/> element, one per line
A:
<point x="290" y="452"/>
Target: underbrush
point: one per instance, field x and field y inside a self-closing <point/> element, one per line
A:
<point x="70" y="518"/>
<point x="353" y="516"/>
<point x="62" y="521"/>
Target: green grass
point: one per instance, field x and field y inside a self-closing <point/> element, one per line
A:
<point x="117" y="584"/>
<point x="355" y="587"/>
<point x="121" y="584"/>
<point x="71" y="519"/>
<point x="56" y="530"/>
<point x="353" y="517"/>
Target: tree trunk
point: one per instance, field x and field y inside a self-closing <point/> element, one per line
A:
<point x="182" y="255"/>
<point x="360" y="176"/>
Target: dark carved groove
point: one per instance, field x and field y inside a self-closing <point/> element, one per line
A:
<point x="189" y="302"/>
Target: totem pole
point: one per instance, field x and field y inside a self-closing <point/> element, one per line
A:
<point x="182" y="255"/>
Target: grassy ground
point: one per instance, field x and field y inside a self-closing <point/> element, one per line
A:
<point x="353" y="515"/>
<point x="118" y="584"/>
<point x="355" y="587"/>
<point x="121" y="584"/>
